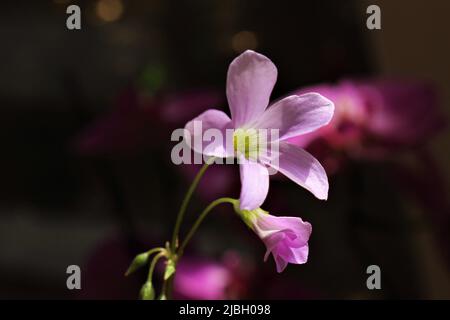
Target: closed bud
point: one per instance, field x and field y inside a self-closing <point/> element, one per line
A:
<point x="170" y="269"/>
<point x="147" y="292"/>
<point x="139" y="261"/>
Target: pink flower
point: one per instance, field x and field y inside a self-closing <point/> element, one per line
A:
<point x="250" y="80"/>
<point x="285" y="237"/>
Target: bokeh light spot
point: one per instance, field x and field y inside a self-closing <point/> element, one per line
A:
<point x="109" y="10"/>
<point x="244" y="40"/>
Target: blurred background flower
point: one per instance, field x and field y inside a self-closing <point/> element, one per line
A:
<point x="374" y="118"/>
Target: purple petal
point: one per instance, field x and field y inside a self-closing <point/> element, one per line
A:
<point x="255" y="184"/>
<point x="302" y="168"/>
<point x="285" y="237"/>
<point x="302" y="229"/>
<point x="300" y="255"/>
<point x="250" y="80"/>
<point x="281" y="264"/>
<point x="271" y="242"/>
<point x="297" y="115"/>
<point x="210" y="119"/>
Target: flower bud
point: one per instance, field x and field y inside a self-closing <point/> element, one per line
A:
<point x="147" y="291"/>
<point x="139" y="261"/>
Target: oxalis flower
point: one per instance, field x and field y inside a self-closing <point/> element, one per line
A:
<point x="250" y="80"/>
<point x="285" y="237"/>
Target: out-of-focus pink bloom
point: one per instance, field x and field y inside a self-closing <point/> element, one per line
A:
<point x="124" y="130"/>
<point x="250" y="80"/>
<point x="373" y="118"/>
<point x="210" y="280"/>
<point x="203" y="280"/>
<point x="404" y="113"/>
<point x="138" y="121"/>
<point x="285" y="237"/>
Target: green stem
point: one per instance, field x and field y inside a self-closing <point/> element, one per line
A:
<point x="185" y="203"/>
<point x="132" y="268"/>
<point x="153" y="264"/>
<point x="154" y="250"/>
<point x="200" y="219"/>
<point x="164" y="290"/>
<point x="191" y="232"/>
<point x="169" y="287"/>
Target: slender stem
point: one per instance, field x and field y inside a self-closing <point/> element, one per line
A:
<point x="199" y="220"/>
<point x="153" y="264"/>
<point x="154" y="250"/>
<point x="169" y="287"/>
<point x="149" y="253"/>
<point x="191" y="232"/>
<point x="164" y="290"/>
<point x="185" y="203"/>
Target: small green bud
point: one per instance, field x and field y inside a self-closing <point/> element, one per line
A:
<point x="170" y="269"/>
<point x="147" y="292"/>
<point x="139" y="261"/>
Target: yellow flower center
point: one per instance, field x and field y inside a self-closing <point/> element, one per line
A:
<point x="245" y="142"/>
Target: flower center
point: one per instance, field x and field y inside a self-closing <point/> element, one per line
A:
<point x="245" y="142"/>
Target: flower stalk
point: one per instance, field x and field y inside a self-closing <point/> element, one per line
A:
<point x="200" y="219"/>
<point x="184" y="204"/>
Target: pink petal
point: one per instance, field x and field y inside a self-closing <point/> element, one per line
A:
<point x="299" y="255"/>
<point x="302" y="168"/>
<point x="281" y="264"/>
<point x="271" y="242"/>
<point x="297" y="115"/>
<point x="210" y="119"/>
<point x="250" y="80"/>
<point x="255" y="184"/>
<point x="302" y="229"/>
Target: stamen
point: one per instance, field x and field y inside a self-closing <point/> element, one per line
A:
<point x="245" y="142"/>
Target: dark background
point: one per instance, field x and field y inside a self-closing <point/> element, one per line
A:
<point x="60" y="206"/>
